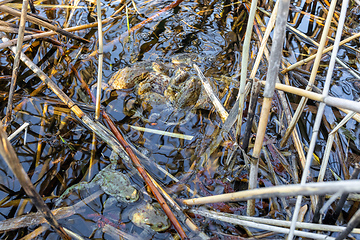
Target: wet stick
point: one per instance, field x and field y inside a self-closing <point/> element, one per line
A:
<point x="274" y="64"/>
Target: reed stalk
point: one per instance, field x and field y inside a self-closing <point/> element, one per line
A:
<point x="274" y="64"/>
<point x="255" y="87"/>
<point x="263" y="49"/>
<point x="231" y="218"/>
<point x="280" y="223"/>
<point x="342" y="104"/>
<point x="100" y="62"/>
<point x="321" y="188"/>
<point x="315" y="67"/>
<point x="214" y="99"/>
<point x="320" y="112"/>
<point x="329" y="144"/>
<point x="244" y="65"/>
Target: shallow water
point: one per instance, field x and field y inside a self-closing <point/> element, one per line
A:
<point x="212" y="29"/>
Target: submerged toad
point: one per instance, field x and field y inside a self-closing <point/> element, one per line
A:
<point x="112" y="182"/>
<point x="158" y="84"/>
<point x="118" y="186"/>
<point x="150" y="216"/>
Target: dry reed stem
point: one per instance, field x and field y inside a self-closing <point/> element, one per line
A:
<point x="254" y="163"/>
<point x="315" y="67"/>
<point x="340" y="103"/>
<point x="231" y="218"/>
<point x="13" y="30"/>
<point x="254" y="91"/>
<point x="355" y="116"/>
<point x="100" y="62"/>
<point x="283" y="223"/>
<point x="214" y="99"/>
<point x="271" y="76"/>
<point x="263" y="49"/>
<point x="244" y="66"/>
<point x="347" y="186"/>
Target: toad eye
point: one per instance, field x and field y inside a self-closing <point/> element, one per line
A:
<point x="127" y="197"/>
<point x="160" y="225"/>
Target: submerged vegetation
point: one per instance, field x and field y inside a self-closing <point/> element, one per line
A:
<point x="180" y="119"/>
